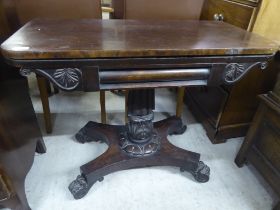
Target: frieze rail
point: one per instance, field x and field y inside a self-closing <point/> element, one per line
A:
<point x="70" y="78"/>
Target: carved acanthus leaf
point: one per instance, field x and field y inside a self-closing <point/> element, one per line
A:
<point x="65" y="79"/>
<point x="235" y="71"/>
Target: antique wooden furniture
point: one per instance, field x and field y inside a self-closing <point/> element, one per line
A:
<point x="21" y="11"/>
<point x="227" y="111"/>
<point x="19" y="136"/>
<point x="137" y="55"/>
<point x="261" y="146"/>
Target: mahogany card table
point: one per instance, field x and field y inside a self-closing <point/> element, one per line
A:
<point x="94" y="55"/>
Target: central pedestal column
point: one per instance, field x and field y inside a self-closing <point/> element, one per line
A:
<point x="140" y="138"/>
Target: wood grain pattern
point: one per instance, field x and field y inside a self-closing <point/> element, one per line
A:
<point x="46" y="39"/>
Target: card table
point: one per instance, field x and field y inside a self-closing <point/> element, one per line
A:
<point x="136" y="55"/>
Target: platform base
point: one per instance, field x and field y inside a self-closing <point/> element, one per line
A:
<point x="116" y="159"/>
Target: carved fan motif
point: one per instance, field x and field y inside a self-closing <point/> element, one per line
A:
<point x="67" y="77"/>
<point x="234" y="71"/>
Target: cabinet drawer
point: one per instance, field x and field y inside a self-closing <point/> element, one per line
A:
<point x="231" y="12"/>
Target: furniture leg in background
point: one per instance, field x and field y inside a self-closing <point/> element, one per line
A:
<point x="44" y="95"/>
<point x="42" y="85"/>
<point x="103" y="106"/>
<point x="180" y="101"/>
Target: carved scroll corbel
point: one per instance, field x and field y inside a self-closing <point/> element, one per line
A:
<point x="64" y="78"/>
<point x="235" y="71"/>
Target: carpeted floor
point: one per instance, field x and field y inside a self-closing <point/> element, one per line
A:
<point x="138" y="189"/>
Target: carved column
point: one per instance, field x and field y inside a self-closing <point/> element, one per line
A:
<point x="140" y="138"/>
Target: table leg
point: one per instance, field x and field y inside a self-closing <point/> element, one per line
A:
<point x="42" y="85"/>
<point x="140" y="143"/>
<point x="180" y="101"/>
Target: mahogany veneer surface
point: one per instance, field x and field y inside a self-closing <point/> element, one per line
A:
<point x="88" y="38"/>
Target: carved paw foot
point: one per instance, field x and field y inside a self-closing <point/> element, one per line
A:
<point x="82" y="136"/>
<point x="180" y="130"/>
<point x="177" y="128"/>
<point x="91" y="132"/>
<point x="201" y="173"/>
<point x="79" y="187"/>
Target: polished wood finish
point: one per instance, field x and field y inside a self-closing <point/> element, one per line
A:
<point x="140" y="143"/>
<point x="82" y="38"/>
<point x="115" y="159"/>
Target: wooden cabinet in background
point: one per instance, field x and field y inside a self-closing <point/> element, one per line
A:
<point x="239" y="13"/>
<point x="227" y="111"/>
<point x="261" y="146"/>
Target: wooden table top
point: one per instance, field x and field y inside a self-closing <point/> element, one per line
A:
<point x="53" y="39"/>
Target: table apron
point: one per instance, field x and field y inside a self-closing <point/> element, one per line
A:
<point x="133" y="73"/>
